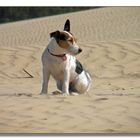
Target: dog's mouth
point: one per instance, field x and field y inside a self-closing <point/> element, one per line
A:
<point x="73" y="54"/>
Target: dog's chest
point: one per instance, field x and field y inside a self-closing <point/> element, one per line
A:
<point x="58" y="68"/>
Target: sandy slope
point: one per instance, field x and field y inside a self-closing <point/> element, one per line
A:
<point x="110" y="38"/>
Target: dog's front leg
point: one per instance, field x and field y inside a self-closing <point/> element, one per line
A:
<point x="46" y="76"/>
<point x="65" y="86"/>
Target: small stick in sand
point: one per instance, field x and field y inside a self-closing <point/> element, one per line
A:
<point x="30" y="76"/>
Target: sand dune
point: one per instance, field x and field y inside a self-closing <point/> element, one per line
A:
<point x="110" y="38"/>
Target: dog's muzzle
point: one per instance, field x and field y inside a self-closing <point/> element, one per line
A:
<point x="79" y="50"/>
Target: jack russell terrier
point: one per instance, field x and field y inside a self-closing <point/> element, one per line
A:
<point x="58" y="60"/>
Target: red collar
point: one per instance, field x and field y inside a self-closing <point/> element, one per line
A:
<point x="62" y="56"/>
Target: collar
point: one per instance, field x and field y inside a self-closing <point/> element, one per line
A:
<point x="62" y="56"/>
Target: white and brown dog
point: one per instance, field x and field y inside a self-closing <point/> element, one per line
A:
<point x="58" y="60"/>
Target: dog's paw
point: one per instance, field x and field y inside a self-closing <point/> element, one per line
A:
<point x="43" y="93"/>
<point x="74" y="94"/>
<point x="65" y="94"/>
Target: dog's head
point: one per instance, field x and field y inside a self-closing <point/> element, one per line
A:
<point x="66" y="40"/>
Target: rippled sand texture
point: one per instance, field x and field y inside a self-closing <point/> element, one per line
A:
<point x="110" y="38"/>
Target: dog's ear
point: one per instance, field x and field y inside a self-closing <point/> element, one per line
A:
<point x="67" y="26"/>
<point x="55" y="34"/>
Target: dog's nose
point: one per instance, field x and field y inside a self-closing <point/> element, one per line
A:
<point x="79" y="50"/>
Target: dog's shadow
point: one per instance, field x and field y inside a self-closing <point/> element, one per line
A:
<point x="60" y="93"/>
<point x="56" y="92"/>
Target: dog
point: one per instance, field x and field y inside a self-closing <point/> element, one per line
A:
<point x="58" y="60"/>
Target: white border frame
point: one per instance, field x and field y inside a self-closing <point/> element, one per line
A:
<point x="69" y="2"/>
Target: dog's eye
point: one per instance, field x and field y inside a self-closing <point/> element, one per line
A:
<point x="70" y="40"/>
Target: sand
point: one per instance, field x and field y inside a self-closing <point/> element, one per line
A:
<point x="110" y="39"/>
